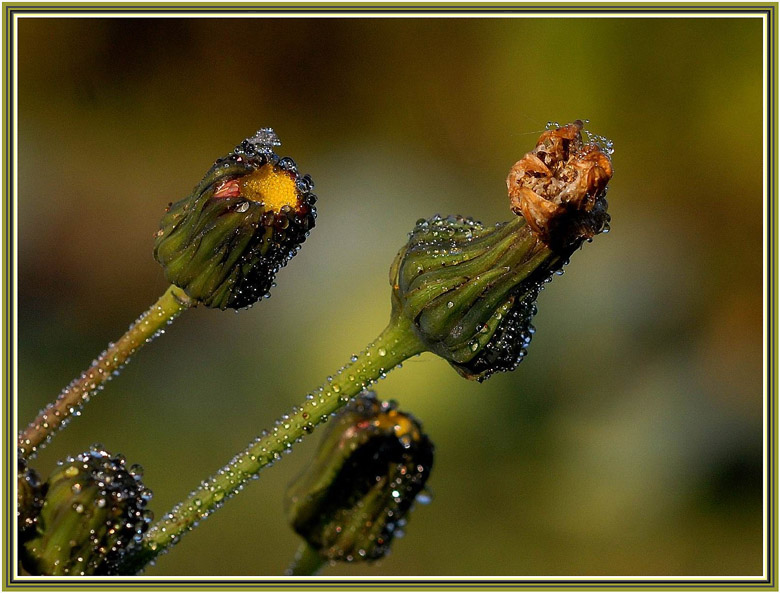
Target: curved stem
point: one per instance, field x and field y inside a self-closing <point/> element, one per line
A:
<point x="394" y="345"/>
<point x="307" y="562"/>
<point x="70" y="401"/>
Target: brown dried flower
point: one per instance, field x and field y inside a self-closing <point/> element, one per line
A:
<point x="560" y="186"/>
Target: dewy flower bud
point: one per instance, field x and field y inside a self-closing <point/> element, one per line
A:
<point x="353" y="498"/>
<point x="468" y="290"/>
<point x="225" y="242"/>
<point x="93" y="510"/>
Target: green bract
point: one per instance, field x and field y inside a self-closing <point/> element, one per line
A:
<point x="353" y="498"/>
<point x="462" y="284"/>
<point x="224" y="243"/>
<point x="93" y="510"/>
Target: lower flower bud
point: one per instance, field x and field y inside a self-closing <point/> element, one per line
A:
<point x="94" y="508"/>
<point x="371" y="465"/>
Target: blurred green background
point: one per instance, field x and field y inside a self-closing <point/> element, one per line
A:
<point x="628" y="441"/>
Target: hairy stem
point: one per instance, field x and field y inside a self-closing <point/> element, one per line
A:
<point x="307" y="562"/>
<point x="70" y="401"/>
<point x="394" y="345"/>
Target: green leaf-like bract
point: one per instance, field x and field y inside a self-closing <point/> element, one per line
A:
<point x="470" y="290"/>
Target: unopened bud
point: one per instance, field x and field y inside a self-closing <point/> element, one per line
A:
<point x="94" y="508"/>
<point x="354" y="497"/>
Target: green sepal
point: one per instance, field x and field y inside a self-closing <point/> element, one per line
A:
<point x="457" y="281"/>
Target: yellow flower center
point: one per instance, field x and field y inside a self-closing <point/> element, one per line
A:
<point x="272" y="189"/>
<point x="399" y="423"/>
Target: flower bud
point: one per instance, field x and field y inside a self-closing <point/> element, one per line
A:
<point x="249" y="215"/>
<point x="469" y="290"/>
<point x="93" y="510"/>
<point x="29" y="498"/>
<point x="353" y="498"/>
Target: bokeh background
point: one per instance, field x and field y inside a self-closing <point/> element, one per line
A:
<point x="629" y="440"/>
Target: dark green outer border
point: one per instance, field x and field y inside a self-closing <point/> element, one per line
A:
<point x="11" y="582"/>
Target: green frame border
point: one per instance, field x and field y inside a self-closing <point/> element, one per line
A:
<point x="12" y="11"/>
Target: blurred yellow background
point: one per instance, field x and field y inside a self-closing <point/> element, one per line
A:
<point x="629" y="440"/>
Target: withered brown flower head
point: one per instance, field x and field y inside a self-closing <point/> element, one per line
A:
<point x="560" y="187"/>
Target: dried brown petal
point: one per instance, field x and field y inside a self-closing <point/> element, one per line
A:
<point x="560" y="187"/>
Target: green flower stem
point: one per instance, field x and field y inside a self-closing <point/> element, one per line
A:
<point x="307" y="562"/>
<point x="394" y="345"/>
<point x="54" y="416"/>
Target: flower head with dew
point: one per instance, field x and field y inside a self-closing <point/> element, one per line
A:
<point x="225" y="242"/>
<point x="353" y="498"/>
<point x="94" y="508"/>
